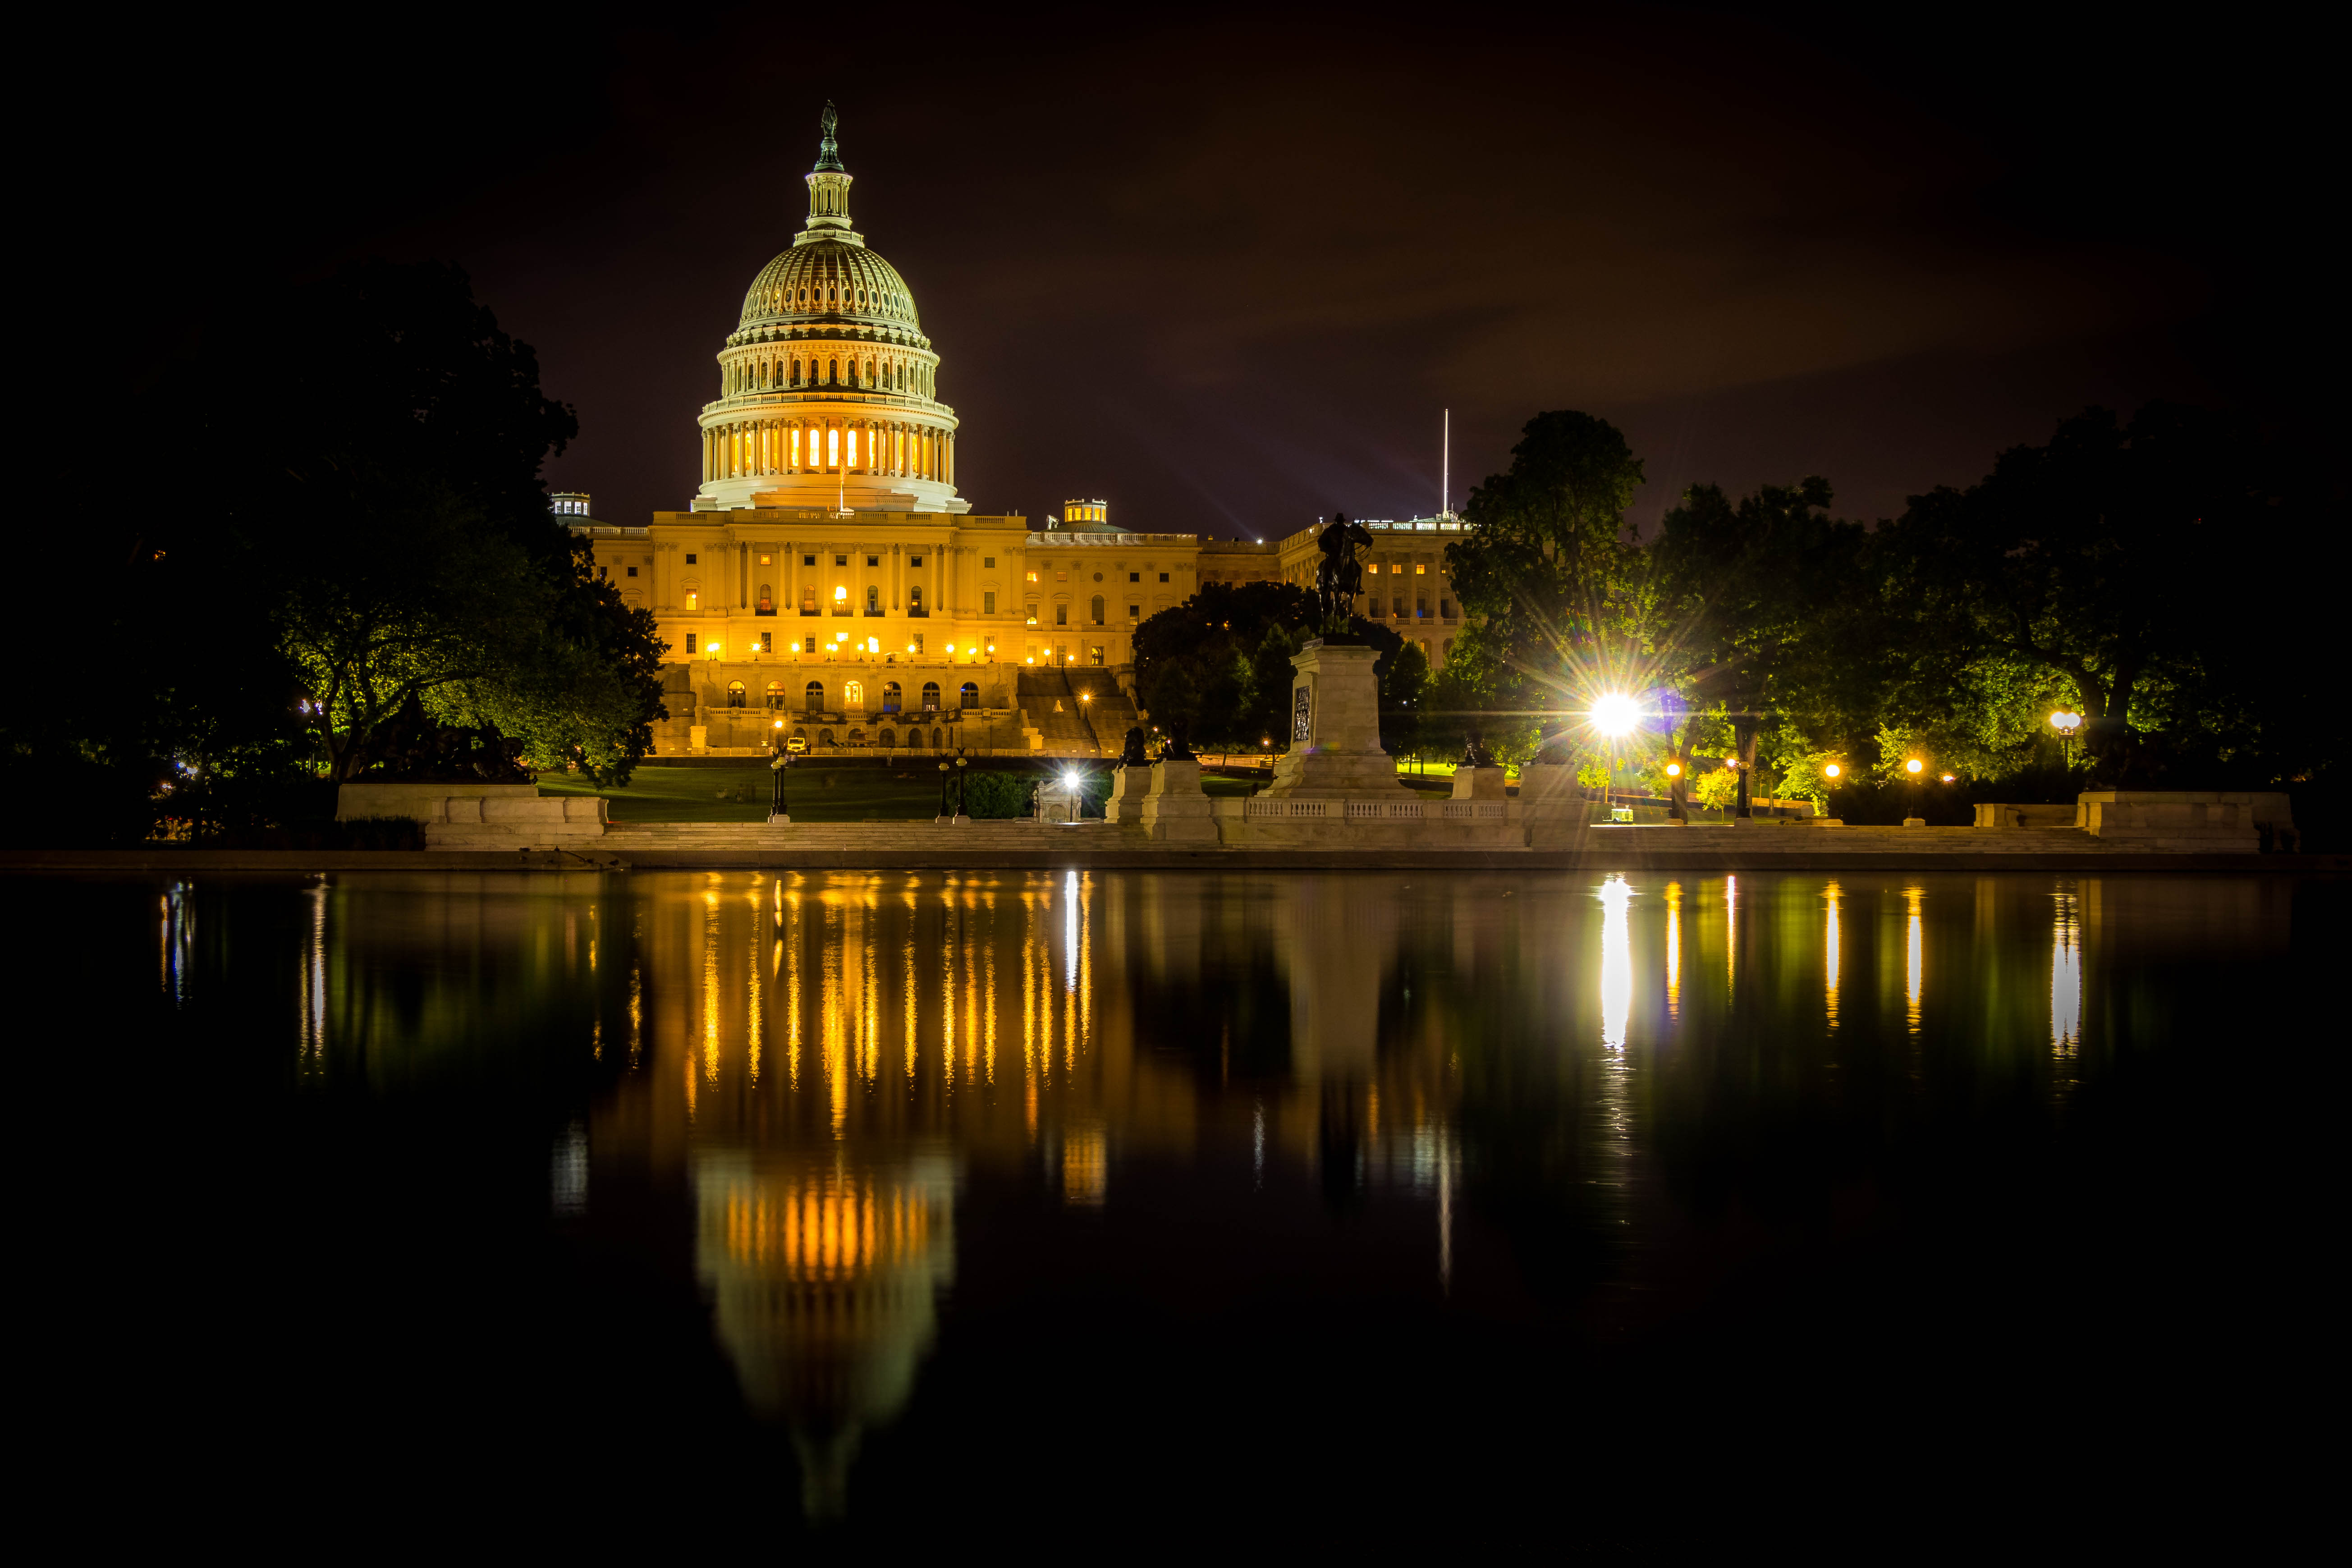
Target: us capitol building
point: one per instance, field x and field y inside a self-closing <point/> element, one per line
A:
<point x="828" y="578"/>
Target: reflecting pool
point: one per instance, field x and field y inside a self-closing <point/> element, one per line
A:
<point x="888" y="1204"/>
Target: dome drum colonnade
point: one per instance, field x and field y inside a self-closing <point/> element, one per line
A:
<point x="828" y="375"/>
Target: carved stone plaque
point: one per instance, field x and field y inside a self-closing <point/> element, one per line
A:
<point x="1302" y="714"/>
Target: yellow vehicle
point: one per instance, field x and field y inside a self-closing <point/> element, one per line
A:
<point x="796" y="746"/>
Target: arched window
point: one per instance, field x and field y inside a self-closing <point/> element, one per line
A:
<point x="799" y="733"/>
<point x="767" y="600"/>
<point x="824" y="737"/>
<point x="914" y="601"/>
<point x="734" y="694"/>
<point x="938" y="740"/>
<point x="853" y="695"/>
<point x="889" y="697"/>
<point x="914" y="739"/>
<point x="775" y="694"/>
<point x="808" y="600"/>
<point x="873" y="601"/>
<point x="857" y="737"/>
<point x="796" y="372"/>
<point x="1097" y="606"/>
<point x="1448" y="649"/>
<point x="970" y="694"/>
<point x="833" y="372"/>
<point x="930" y="697"/>
<point x="816" y="696"/>
<point x="886" y="739"/>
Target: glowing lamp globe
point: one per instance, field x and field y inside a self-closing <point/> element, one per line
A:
<point x="1673" y="769"/>
<point x="1614" y="714"/>
<point x="1831" y="771"/>
<point x="1913" y="767"/>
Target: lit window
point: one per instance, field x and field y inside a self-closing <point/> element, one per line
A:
<point x="832" y="448"/>
<point x="796" y="445"/>
<point x="840" y="594"/>
<point x="1033" y="576"/>
<point x="853" y="448"/>
<point x="1421" y="571"/>
<point x="1060" y="576"/>
<point x="1374" y="568"/>
<point x="767" y="560"/>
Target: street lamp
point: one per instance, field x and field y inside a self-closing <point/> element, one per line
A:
<point x="2067" y="722"/>
<point x="1913" y="767"/>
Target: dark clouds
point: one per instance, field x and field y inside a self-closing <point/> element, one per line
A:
<point x="1226" y="272"/>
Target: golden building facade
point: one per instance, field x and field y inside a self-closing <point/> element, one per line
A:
<point x="828" y="580"/>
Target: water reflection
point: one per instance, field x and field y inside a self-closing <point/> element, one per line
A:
<point x="815" y="1081"/>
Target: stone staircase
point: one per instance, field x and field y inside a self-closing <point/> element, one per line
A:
<point x="866" y="837"/>
<point x="1803" y="839"/>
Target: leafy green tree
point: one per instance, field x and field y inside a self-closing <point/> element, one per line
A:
<point x="1542" y="569"/>
<point x="1764" y="618"/>
<point x="1199" y="664"/>
<point x="2085" y="570"/>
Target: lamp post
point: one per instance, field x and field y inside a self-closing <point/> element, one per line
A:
<point x="2067" y="722"/>
<point x="962" y="763"/>
<point x="778" y="814"/>
<point x="1913" y="767"/>
<point x="945" y="771"/>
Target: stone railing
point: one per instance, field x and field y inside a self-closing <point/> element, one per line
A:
<point x="1483" y="810"/>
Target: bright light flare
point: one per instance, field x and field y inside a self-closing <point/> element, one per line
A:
<point x="1831" y="771"/>
<point x="1673" y="769"/>
<point x="1614" y="714"/>
<point x="1915" y="767"/>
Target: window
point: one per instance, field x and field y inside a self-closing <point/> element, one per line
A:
<point x="873" y="601"/>
<point x="775" y="694"/>
<point x="1163" y="576"/>
<point x="1135" y="612"/>
<point x="1421" y="571"/>
<point x="988" y="563"/>
<point x="1445" y="609"/>
<point x="1374" y="569"/>
<point x="911" y="561"/>
<point x="874" y="561"/>
<point x="633" y="570"/>
<point x="808" y="645"/>
<point x="969" y="696"/>
<point x="1098" y="652"/>
<point x="767" y="560"/>
<point x="1032" y="616"/>
<point x="914" y="601"/>
<point x="1095" y="606"/>
<point x="1098" y="576"/>
<point x="1420" y="606"/>
<point x="734" y="694"/>
<point x="690" y="558"/>
<point x="930" y="697"/>
<point x="837" y="561"/>
<point x="853" y="695"/>
<point x="890" y="697"/>
<point x="767" y="642"/>
<point x="1134" y="576"/>
<point x="987" y="601"/>
<point x="1061" y="615"/>
<point x="816" y="694"/>
<point x="1033" y="576"/>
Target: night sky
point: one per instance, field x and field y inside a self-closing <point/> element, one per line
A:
<point x="1226" y="272"/>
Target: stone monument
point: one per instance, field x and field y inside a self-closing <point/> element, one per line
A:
<point x="1478" y="776"/>
<point x="1129" y="780"/>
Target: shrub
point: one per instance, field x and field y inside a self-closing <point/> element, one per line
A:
<point x="996" y="795"/>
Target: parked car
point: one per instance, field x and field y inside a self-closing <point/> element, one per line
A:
<point x="797" y="745"/>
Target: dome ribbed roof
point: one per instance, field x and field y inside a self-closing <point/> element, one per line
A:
<point x="830" y="280"/>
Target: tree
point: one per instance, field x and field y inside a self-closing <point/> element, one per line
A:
<point x="1765" y="625"/>
<point x="1209" y="664"/>
<point x="2088" y="565"/>
<point x="1542" y="569"/>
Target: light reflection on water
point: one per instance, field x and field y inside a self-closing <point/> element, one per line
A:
<point x="823" y="1065"/>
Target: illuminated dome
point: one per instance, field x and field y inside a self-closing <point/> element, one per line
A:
<point x="828" y="389"/>
<point x="829" y="280"/>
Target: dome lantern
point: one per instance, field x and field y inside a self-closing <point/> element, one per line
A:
<point x="829" y="187"/>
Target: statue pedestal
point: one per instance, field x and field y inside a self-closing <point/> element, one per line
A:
<point x="1334" y="730"/>
<point x="1128" y="785"/>
<point x="1478" y="783"/>
<point x="780" y="819"/>
<point x="1175" y="809"/>
<point x="1552" y="806"/>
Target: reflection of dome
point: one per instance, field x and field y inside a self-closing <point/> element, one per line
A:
<point x="825" y="1281"/>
